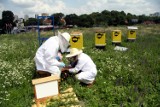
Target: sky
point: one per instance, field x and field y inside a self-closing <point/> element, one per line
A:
<point x="32" y="7"/>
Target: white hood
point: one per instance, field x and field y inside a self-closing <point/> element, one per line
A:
<point x="63" y="42"/>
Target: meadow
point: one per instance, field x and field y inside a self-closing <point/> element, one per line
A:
<point x="124" y="79"/>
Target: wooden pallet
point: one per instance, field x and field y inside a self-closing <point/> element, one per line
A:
<point x="67" y="96"/>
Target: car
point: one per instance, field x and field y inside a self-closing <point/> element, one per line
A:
<point x="15" y="30"/>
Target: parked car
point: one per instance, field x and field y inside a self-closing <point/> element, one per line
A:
<point x="15" y="30"/>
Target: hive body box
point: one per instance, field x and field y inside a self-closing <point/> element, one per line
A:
<point x="45" y="88"/>
<point x="76" y="40"/>
<point x="116" y="36"/>
<point x="100" y="39"/>
<point x="132" y="33"/>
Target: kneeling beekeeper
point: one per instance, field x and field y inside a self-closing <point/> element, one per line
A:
<point x="85" y="70"/>
<point x="47" y="54"/>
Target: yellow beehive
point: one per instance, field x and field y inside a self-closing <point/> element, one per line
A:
<point x="100" y="39"/>
<point x="76" y="40"/>
<point x="116" y="36"/>
<point x="132" y="33"/>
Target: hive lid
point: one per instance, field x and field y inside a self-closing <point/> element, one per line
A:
<point x="76" y="33"/>
<point x="116" y="30"/>
<point x="132" y="27"/>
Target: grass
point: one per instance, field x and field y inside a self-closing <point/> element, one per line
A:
<point x="125" y="79"/>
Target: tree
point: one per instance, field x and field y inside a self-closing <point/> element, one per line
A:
<point x="114" y="17"/>
<point x="32" y="21"/>
<point x="131" y="18"/>
<point x="156" y="19"/>
<point x="1" y="24"/>
<point x="85" y="21"/>
<point x="94" y="17"/>
<point x="71" y="19"/>
<point x="1" y="27"/>
<point x="7" y="20"/>
<point x="57" y="18"/>
<point x="7" y="16"/>
<point x="107" y="16"/>
<point x="142" y="18"/>
<point x="122" y="18"/>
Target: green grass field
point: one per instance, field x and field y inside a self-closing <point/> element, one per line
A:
<point x="124" y="79"/>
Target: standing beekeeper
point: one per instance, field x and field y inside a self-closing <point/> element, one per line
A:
<point x="85" y="70"/>
<point x="47" y="56"/>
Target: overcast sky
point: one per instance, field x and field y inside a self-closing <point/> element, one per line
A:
<point x="32" y="7"/>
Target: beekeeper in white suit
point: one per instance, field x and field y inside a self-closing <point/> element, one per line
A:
<point x="85" y="69"/>
<point x="46" y="55"/>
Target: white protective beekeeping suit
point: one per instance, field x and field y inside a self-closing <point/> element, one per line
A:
<point x="85" y="64"/>
<point x="46" y="54"/>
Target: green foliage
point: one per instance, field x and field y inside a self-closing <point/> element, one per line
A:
<point x="1" y="24"/>
<point x="71" y="19"/>
<point x="17" y="69"/>
<point x="57" y="18"/>
<point x="7" y="16"/>
<point x="32" y="21"/>
<point x="86" y="19"/>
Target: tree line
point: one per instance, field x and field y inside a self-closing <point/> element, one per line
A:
<point x="104" y="18"/>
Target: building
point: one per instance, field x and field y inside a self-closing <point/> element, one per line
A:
<point x="20" y="23"/>
<point x="134" y="20"/>
<point x="26" y="17"/>
<point x="15" y="18"/>
<point x="45" y="14"/>
<point x="36" y="16"/>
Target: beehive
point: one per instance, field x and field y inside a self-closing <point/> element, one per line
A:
<point x="132" y="33"/>
<point x="116" y="36"/>
<point x="100" y="39"/>
<point x="76" y="40"/>
<point x="45" y="88"/>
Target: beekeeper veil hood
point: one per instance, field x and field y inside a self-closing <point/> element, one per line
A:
<point x="64" y="41"/>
